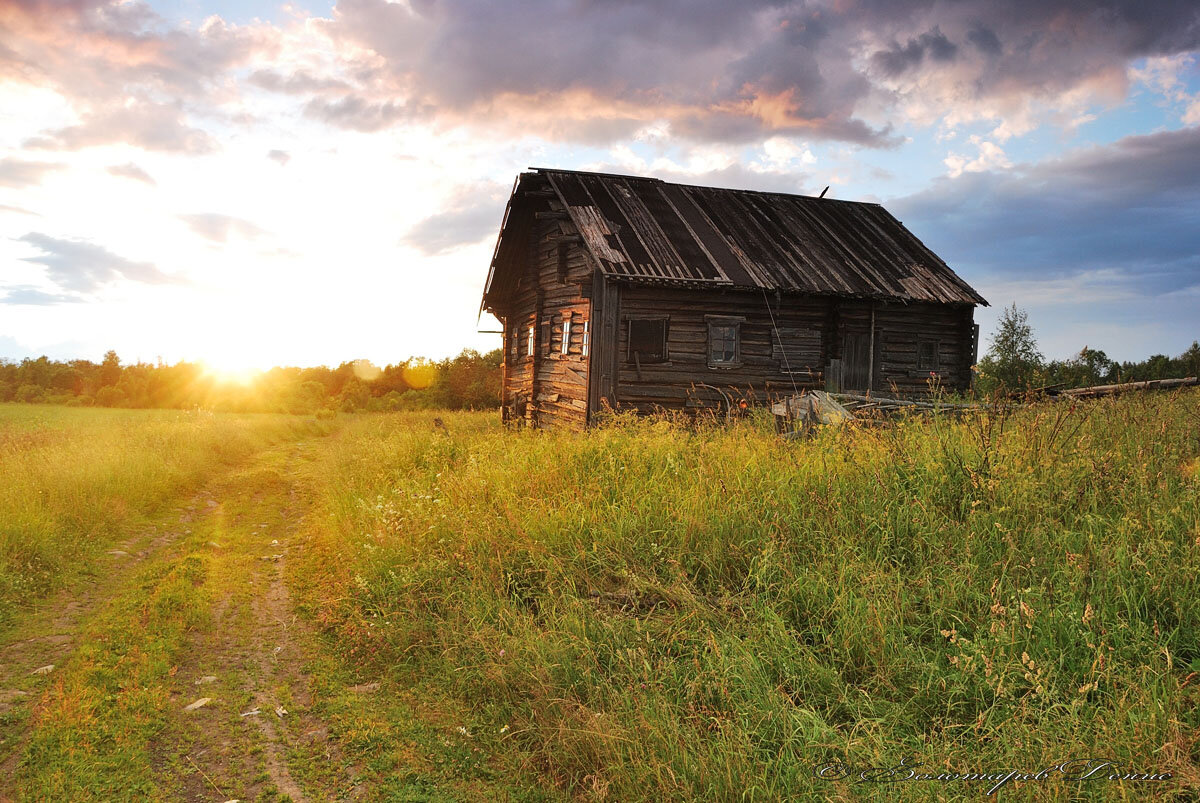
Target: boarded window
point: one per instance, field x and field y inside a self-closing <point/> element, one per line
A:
<point x="647" y="340"/>
<point x="545" y="344"/>
<point x="927" y="355"/>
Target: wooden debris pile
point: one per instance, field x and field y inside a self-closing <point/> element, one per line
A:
<point x="797" y="415"/>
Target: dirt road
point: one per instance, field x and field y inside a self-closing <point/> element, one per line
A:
<point x="179" y="669"/>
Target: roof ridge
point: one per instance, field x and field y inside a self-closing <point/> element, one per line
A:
<point x="657" y="180"/>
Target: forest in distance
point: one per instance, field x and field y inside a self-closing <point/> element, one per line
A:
<point x="469" y="381"/>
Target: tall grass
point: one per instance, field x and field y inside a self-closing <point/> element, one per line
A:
<point x="652" y="611"/>
<point x="74" y="479"/>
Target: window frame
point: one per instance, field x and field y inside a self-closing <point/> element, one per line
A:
<point x="713" y="322"/>
<point x="936" y="344"/>
<point x="665" y="320"/>
<point x="565" y="347"/>
<point x="530" y="341"/>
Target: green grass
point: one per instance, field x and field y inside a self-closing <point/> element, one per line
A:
<point x="74" y="479"/>
<point x="652" y="611"/>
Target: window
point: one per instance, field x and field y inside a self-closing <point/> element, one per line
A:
<point x="724" y="341"/>
<point x="566" y="338"/>
<point x="529" y="343"/>
<point x="586" y="339"/>
<point x="647" y="340"/>
<point x="927" y="355"/>
<point x="545" y="338"/>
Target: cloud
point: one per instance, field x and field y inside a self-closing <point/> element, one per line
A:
<point x="152" y="126"/>
<point x="17" y="210"/>
<point x="218" y="228"/>
<point x="896" y="59"/>
<point x="17" y="173"/>
<point x="298" y="83"/>
<point x="132" y="171"/>
<point x="27" y="295"/>
<point x="283" y="157"/>
<point x="595" y="73"/>
<point x="1124" y="212"/>
<point x="79" y="266"/>
<point x="716" y="71"/>
<point x="114" y="62"/>
<point x="472" y="215"/>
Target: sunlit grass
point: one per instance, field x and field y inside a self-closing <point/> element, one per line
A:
<point x="74" y="479"/>
<point x="650" y="611"/>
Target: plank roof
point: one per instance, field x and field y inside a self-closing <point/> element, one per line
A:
<point x="645" y="230"/>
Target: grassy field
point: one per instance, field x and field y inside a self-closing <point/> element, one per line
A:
<point x="76" y="479"/>
<point x="655" y="612"/>
<point x="645" y="611"/>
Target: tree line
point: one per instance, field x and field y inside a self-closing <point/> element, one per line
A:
<point x="1014" y="362"/>
<point x="470" y="380"/>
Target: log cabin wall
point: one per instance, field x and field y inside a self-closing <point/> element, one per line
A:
<point x="792" y="352"/>
<point x="679" y="382"/>
<point x="542" y="383"/>
<point x="908" y="335"/>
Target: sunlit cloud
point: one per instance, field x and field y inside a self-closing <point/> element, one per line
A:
<point x="132" y="171"/>
<point x="219" y="228"/>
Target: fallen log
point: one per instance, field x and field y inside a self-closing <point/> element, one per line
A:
<point x="1096" y="391"/>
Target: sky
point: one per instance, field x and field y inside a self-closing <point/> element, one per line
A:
<point x="254" y="183"/>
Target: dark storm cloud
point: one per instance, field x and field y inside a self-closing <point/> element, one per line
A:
<point x="897" y="59"/>
<point x="721" y="71"/>
<point x="590" y="71"/>
<point x="1132" y="207"/>
<point x="219" y="228"/>
<point x="79" y="266"/>
<point x="985" y="39"/>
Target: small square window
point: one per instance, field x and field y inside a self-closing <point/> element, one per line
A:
<point x="724" y="343"/>
<point x="927" y="355"/>
<point x="647" y="340"/>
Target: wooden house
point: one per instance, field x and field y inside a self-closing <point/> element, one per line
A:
<point x="635" y="293"/>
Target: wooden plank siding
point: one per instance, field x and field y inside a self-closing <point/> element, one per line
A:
<point x="549" y="387"/>
<point x="818" y="330"/>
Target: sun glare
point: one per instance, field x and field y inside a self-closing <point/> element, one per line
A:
<point x="231" y="373"/>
